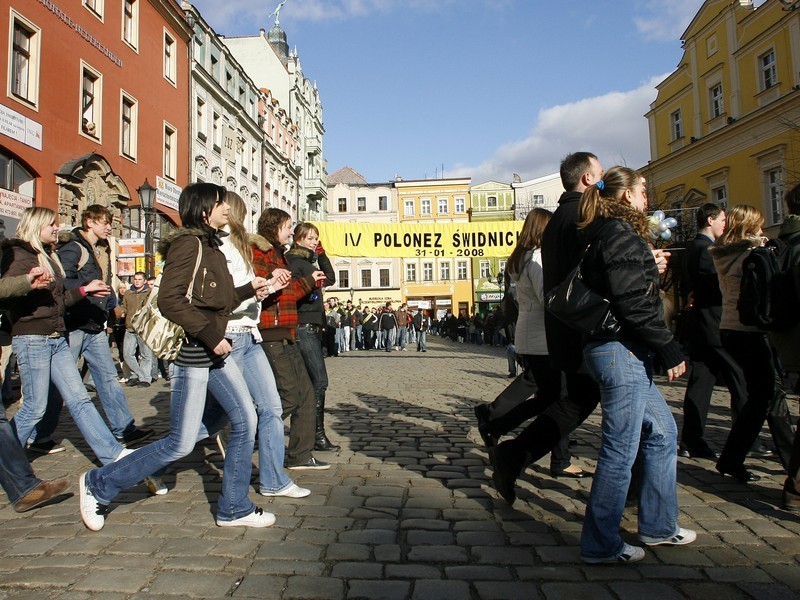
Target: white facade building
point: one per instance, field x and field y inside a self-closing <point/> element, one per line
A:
<point x="351" y="199"/>
<point x="542" y="192"/>
<point x="267" y="59"/>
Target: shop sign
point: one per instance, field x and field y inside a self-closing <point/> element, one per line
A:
<point x="21" y="128"/>
<point x="489" y="296"/>
<point x="167" y="193"/>
<point x="130" y="248"/>
<point x="12" y="204"/>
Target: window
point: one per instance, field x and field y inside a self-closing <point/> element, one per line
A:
<point x="411" y="272"/>
<point x="200" y="114"/>
<point x="130" y="22"/>
<point x="443" y="208"/>
<point x="366" y="278"/>
<point x="170" y="58"/>
<point x="384" y="276"/>
<point x="216" y="132"/>
<point x="717" y="102"/>
<point x="16" y="178"/>
<point x="91" y="103"/>
<point x="199" y="47"/>
<point x="501" y="267"/>
<point x="775" y="195"/>
<point x="461" y="206"/>
<point x="342" y="204"/>
<point x="254" y="161"/>
<point x="408" y="208"/>
<point x="427" y="271"/>
<point x="677" y="125"/>
<point x="344" y="279"/>
<point x="491" y="202"/>
<point x="444" y="271"/>
<point x="769" y="72"/>
<point x="24" y="80"/>
<point x="95" y="7"/>
<point x="229" y="82"/>
<point x="538" y="199"/>
<point x="362" y="204"/>
<point x="170" y="152"/>
<point x="720" y="196"/>
<point x="383" y="203"/>
<point x="486" y="271"/>
<point x="425" y="206"/>
<point x="128" y="128"/>
<point x="215" y="65"/>
<point x="242" y="97"/>
<point x="461" y="270"/>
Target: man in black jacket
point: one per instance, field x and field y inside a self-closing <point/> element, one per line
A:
<point x="85" y="255"/>
<point x="708" y="357"/>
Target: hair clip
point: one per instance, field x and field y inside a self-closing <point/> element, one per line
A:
<point x="600" y="185"/>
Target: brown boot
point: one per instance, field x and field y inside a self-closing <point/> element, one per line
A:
<point x="47" y="490"/>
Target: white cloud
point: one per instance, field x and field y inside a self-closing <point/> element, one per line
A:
<point x="666" y="21"/>
<point x="612" y="126"/>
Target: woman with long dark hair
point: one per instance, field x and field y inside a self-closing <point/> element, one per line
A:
<point x="540" y="384"/>
<point x="305" y="257"/>
<point x="620" y="265"/>
<point x="202" y="365"/>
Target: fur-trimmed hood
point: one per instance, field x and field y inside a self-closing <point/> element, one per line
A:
<point x="614" y="209"/>
<point x="259" y="241"/>
<point x="726" y="255"/>
<point x="303" y="253"/>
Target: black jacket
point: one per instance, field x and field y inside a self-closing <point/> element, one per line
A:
<point x="303" y="262"/>
<point x="700" y="278"/>
<point x="73" y="249"/>
<point x="620" y="265"/>
<point x="561" y="252"/>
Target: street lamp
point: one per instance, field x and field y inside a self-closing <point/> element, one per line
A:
<point x="352" y="291"/>
<point x="147" y="196"/>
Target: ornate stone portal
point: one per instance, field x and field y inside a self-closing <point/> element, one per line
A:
<point x="88" y="180"/>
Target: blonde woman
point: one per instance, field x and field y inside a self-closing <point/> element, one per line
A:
<point x="750" y="348"/>
<point x="39" y="332"/>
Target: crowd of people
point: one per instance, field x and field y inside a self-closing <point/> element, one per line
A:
<point x="258" y="330"/>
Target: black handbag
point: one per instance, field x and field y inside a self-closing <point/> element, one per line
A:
<point x="580" y="307"/>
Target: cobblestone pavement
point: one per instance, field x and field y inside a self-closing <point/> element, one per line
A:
<point x="407" y="511"/>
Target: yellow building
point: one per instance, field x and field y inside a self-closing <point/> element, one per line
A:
<point x="429" y="281"/>
<point x="725" y="126"/>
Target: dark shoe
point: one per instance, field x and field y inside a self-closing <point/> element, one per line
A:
<point x="323" y="444"/>
<point x="48" y="447"/>
<point x="132" y="382"/>
<point x="144" y="384"/>
<point x="697" y="452"/>
<point x="482" y="415"/>
<point x="506" y="470"/>
<point x="577" y="475"/>
<point x="740" y="474"/>
<point x="47" y="490"/>
<point x="511" y="375"/>
<point x="791" y="501"/>
<point x="760" y="451"/>
<point x="137" y="435"/>
<point x="312" y="463"/>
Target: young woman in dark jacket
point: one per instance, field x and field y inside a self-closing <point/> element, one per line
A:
<point x="305" y="257"/>
<point x="39" y="335"/>
<point x="619" y="264"/>
<point x="201" y="365"/>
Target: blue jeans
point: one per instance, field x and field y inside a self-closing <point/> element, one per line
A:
<point x="401" y="337"/>
<point x="635" y="419"/>
<point x="43" y="360"/>
<point x="143" y="370"/>
<point x="421" y="339"/>
<point x="16" y="475"/>
<point x="189" y="386"/>
<point x="388" y="338"/>
<point x="260" y="380"/>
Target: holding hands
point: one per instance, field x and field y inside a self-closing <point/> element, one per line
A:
<point x="97" y="289"/>
<point x="39" y="278"/>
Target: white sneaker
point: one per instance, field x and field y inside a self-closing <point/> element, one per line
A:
<point x="293" y="491"/>
<point x="257" y="518"/>
<point x="155" y="485"/>
<point x="683" y="537"/>
<point x="92" y="512"/>
<point x="123" y="380"/>
<point x="123" y="454"/>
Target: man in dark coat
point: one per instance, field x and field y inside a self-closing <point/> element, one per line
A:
<point x="708" y="357"/>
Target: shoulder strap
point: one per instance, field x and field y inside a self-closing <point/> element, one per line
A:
<point x="196" y="269"/>
<point x="84" y="256"/>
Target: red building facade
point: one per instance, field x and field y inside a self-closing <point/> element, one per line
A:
<point x="94" y="101"/>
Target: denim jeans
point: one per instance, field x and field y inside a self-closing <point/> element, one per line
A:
<point x="388" y="338"/>
<point x="189" y="386"/>
<point x="359" y="337"/>
<point x="635" y="419"/>
<point x="347" y="331"/>
<point x="401" y="337"/>
<point x="310" y="345"/>
<point x="16" y="475"/>
<point x="43" y="360"/>
<point x="421" y="340"/>
<point x="142" y="369"/>
<point x="379" y="337"/>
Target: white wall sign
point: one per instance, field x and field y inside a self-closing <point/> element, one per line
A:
<point x="20" y="128"/>
<point x="13" y="204"/>
<point x="167" y="193"/>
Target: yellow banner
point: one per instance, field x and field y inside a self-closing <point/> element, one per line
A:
<point x="419" y="240"/>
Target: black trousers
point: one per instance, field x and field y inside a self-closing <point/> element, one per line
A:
<point x="706" y="363"/>
<point x="530" y="394"/>
<point x="765" y="400"/>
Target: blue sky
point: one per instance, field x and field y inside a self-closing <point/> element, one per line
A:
<point x="481" y="88"/>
